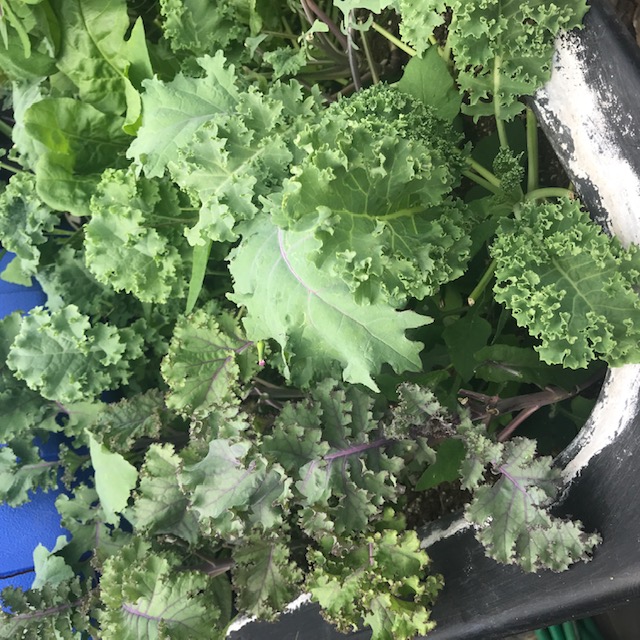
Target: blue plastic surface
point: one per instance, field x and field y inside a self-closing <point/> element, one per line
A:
<point x="23" y="528"/>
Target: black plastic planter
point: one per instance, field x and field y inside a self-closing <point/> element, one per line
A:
<point x="590" y="113"/>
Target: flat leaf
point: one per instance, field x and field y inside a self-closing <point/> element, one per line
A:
<point x="95" y="56"/>
<point x="115" y="478"/>
<point x="446" y="468"/>
<point x="75" y="142"/>
<point x="465" y="337"/>
<point x="427" y="78"/>
<point x="313" y="316"/>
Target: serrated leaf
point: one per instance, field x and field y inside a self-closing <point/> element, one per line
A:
<point x="265" y="578"/>
<point x="24" y="221"/>
<point x="146" y="597"/>
<point x="160" y="505"/>
<point x="379" y="578"/>
<point x="66" y="359"/>
<point x="59" y="612"/>
<point x="202" y="365"/>
<point x="173" y="112"/>
<point x="512" y="516"/>
<point x="311" y="315"/>
<point x="127" y="246"/>
<point x="120" y="424"/>
<point x="23" y="470"/>
<point x="376" y="196"/>
<point x="115" y="478"/>
<point x="226" y="485"/>
<point x="569" y="285"/>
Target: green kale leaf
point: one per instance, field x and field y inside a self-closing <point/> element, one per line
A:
<point x="569" y="284"/>
<point x="311" y="314"/>
<point x="147" y="596"/>
<point x="380" y="579"/>
<point x="66" y="359"/>
<point x="512" y="516"/>
<point x="127" y="245"/>
<point x="374" y="190"/>
<point x="24" y="222"/>
<point x="264" y="576"/>
<point x="207" y="359"/>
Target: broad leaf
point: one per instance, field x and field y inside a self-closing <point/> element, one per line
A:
<point x="115" y="478"/>
<point x="313" y="316"/>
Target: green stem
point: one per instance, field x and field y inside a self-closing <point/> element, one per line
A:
<point x="5" y="128"/>
<point x="502" y="131"/>
<point x="485" y="173"/>
<point x="532" y="151"/>
<point x="8" y="167"/>
<point x="370" y="61"/>
<point x="482" y="182"/>
<point x="393" y="40"/>
<point x="482" y="285"/>
<point x="549" y="192"/>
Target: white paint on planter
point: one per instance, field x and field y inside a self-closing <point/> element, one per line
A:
<point x="614" y="412"/>
<point x="586" y="115"/>
<point x="238" y="623"/>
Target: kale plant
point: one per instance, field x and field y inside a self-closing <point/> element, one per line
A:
<point x="315" y="291"/>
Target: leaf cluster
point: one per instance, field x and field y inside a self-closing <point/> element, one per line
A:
<point x="267" y="280"/>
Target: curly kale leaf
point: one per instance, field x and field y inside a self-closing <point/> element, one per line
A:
<point x="126" y="244"/>
<point x="199" y="27"/>
<point x="311" y="314"/>
<point x="512" y="516"/>
<point x="569" y="284"/>
<point x="66" y="359"/>
<point x="229" y="145"/>
<point x="233" y="487"/>
<point x="24" y="222"/>
<point x="160" y="505"/>
<point x="374" y="190"/>
<point x="52" y="611"/>
<point x="208" y="358"/>
<point x="379" y="579"/>
<point x="264" y="576"/>
<point x="146" y="595"/>
<point x="333" y="449"/>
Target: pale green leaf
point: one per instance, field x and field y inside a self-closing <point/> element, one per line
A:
<point x="115" y="478"/>
<point x="127" y="244"/>
<point x="50" y="569"/>
<point x="66" y="359"/>
<point x="311" y="315"/>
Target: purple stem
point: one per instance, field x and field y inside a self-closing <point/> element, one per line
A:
<point x="333" y="27"/>
<point x="343" y="453"/>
